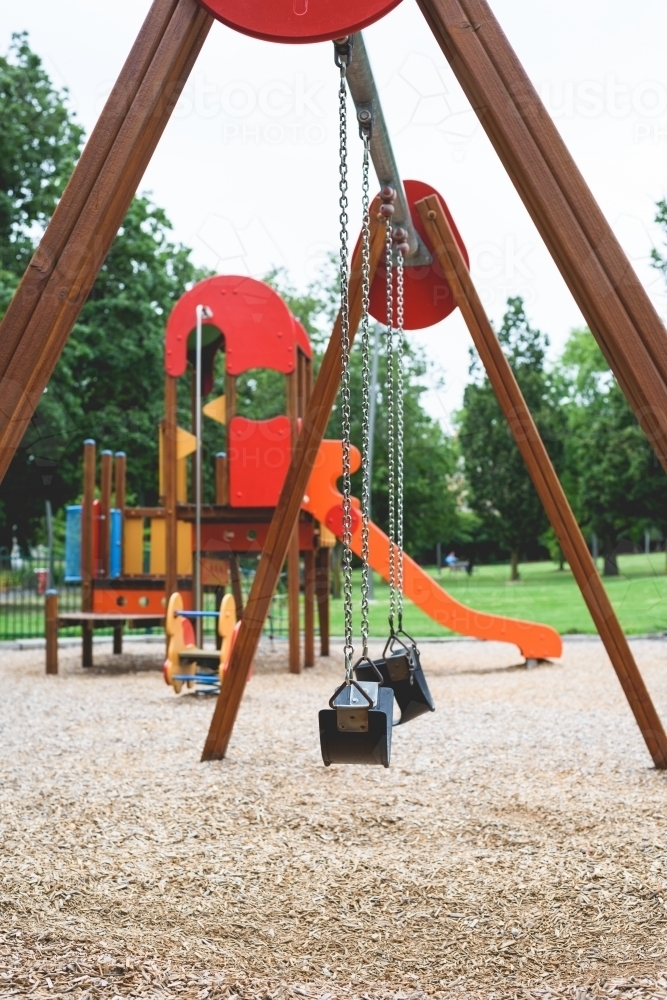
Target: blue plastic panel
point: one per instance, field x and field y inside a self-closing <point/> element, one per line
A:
<point x="73" y="544"/>
<point x="116" y="544"/>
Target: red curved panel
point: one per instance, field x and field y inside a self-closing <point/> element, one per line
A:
<point x="259" y="454"/>
<point x="257" y="326"/>
<point x="428" y="297"/>
<point x="298" y="20"/>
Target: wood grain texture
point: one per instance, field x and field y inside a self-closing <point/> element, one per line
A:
<point x="51" y="631"/>
<point x="87" y="645"/>
<point x="544" y="476"/>
<point x="310" y="585"/>
<point x="294" y="602"/>
<point x="221" y="480"/>
<point x="287" y="511"/>
<point x="322" y="593"/>
<point x="95" y="228"/>
<point x="237" y="589"/>
<point x="117" y="640"/>
<point x="580" y="240"/>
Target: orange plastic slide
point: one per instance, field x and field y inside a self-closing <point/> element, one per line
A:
<point x="324" y="501"/>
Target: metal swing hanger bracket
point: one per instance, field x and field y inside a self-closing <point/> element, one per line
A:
<point x="352" y="52"/>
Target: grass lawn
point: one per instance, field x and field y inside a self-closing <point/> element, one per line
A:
<point x="543" y="594"/>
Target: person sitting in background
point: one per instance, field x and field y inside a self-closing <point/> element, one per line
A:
<point x="451" y="559"/>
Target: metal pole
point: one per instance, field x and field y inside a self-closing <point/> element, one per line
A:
<point x="49" y="542"/>
<point x="371" y="431"/>
<point x="365" y="96"/>
<point x="203" y="312"/>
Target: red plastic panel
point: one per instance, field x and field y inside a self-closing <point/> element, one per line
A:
<point x="259" y="453"/>
<point x="257" y="326"/>
<point x="147" y="600"/>
<point x="334" y="520"/>
<point x="428" y="298"/>
<point x="298" y="20"/>
<point x="248" y="536"/>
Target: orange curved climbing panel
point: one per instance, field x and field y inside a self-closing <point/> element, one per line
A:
<point x="323" y="501"/>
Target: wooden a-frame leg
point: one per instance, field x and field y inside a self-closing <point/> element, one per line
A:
<point x="544" y="476"/>
<point x="323" y="586"/>
<point x="87" y="644"/>
<point x="287" y="510"/>
<point x="617" y="308"/>
<point x="118" y="639"/>
<point x="294" y="602"/>
<point x="51" y="629"/>
<point x="237" y="587"/>
<point x="309" y="588"/>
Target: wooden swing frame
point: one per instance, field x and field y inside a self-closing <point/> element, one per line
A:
<point x="580" y="240"/>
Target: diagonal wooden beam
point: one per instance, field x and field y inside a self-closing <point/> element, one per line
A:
<point x="287" y="510"/>
<point x="598" y="273"/>
<point x="544" y="476"/>
<point x="80" y="234"/>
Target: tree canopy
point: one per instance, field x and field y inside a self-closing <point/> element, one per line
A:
<point x="40" y="142"/>
<point x="619" y="487"/>
<point x="499" y="489"/>
<point x="108" y="383"/>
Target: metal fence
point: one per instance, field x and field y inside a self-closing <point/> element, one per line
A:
<point x="23" y="583"/>
<point x="25" y="578"/>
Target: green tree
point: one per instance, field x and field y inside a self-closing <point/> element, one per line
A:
<point x="39" y="144"/>
<point x="499" y="490"/>
<point x="619" y="486"/>
<point x="109" y="382"/>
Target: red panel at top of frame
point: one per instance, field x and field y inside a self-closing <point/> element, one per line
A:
<point x="298" y="20"/>
<point x="258" y="329"/>
<point x="428" y="297"/>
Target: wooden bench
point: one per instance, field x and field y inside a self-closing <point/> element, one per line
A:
<point x="458" y="566"/>
<point x="89" y="621"/>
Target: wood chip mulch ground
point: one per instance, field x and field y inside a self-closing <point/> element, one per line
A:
<point x="517" y="847"/>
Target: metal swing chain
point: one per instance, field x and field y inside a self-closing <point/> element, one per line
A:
<point x="365" y="394"/>
<point x="391" y="444"/>
<point x="400" y="435"/>
<point x="345" y="372"/>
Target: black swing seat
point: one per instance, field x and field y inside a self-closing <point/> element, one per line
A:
<point x="356" y="729"/>
<point x="402" y="672"/>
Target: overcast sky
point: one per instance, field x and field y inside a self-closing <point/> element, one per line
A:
<point x="247" y="169"/>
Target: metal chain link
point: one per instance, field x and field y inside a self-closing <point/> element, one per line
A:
<point x="345" y="375"/>
<point x="365" y="395"/>
<point x="400" y="431"/>
<point x="391" y="444"/>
